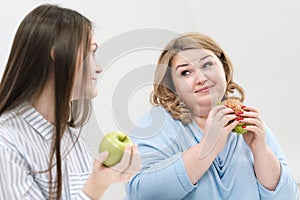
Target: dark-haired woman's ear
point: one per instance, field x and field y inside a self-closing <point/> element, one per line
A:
<point x="52" y="54"/>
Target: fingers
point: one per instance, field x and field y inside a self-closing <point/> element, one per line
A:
<point x="129" y="165"/>
<point x="130" y="162"/>
<point x="254" y="122"/>
<point x="125" y="161"/>
<point x="251" y="112"/>
<point x="215" y="110"/>
<point x="102" y="156"/>
<point x="135" y="164"/>
<point x="222" y="113"/>
<point x="99" y="159"/>
<point x="253" y="129"/>
<point x="249" y="108"/>
<point x="217" y="128"/>
<point x="252" y="117"/>
<point x="231" y="126"/>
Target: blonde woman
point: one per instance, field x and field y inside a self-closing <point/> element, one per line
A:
<point x="187" y="146"/>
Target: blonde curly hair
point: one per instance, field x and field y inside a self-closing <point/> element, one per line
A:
<point x="164" y="92"/>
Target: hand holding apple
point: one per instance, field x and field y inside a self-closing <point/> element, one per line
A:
<point x="114" y="143"/>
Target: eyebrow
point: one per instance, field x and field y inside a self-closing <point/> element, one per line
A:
<point x="186" y="64"/>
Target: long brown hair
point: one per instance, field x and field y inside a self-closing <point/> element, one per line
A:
<point x="164" y="92"/>
<point x="48" y="30"/>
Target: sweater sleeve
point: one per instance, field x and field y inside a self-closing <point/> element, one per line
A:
<point x="163" y="175"/>
<point x="287" y="187"/>
<point x="166" y="180"/>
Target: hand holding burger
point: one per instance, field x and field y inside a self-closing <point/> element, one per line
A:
<point x="237" y="107"/>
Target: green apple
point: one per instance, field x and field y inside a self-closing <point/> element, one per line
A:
<point x="114" y="143"/>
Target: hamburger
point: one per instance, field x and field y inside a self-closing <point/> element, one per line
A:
<point x="237" y="107"/>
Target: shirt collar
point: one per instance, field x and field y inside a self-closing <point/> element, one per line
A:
<point x="36" y="120"/>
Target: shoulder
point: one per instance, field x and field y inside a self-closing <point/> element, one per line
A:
<point x="156" y="119"/>
<point x="6" y="120"/>
<point x="10" y="123"/>
<point x="156" y="126"/>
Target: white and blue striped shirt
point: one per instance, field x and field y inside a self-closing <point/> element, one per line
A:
<point x="25" y="142"/>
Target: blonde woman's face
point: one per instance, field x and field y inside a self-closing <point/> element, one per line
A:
<point x="199" y="79"/>
<point x="92" y="69"/>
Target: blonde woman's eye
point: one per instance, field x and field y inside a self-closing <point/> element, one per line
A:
<point x="185" y="73"/>
<point x="207" y="64"/>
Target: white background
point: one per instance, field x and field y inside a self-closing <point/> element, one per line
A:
<point x="261" y="37"/>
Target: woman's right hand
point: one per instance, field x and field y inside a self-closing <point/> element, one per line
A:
<point x="216" y="130"/>
<point x="199" y="157"/>
<point x="102" y="177"/>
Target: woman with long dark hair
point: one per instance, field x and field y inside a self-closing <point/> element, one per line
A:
<point x="45" y="99"/>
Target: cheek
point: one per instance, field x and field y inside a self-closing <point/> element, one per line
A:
<point x="183" y="84"/>
<point x="223" y="81"/>
<point x="219" y="77"/>
<point x="185" y="91"/>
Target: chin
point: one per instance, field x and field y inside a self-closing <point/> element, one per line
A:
<point x="206" y="101"/>
<point x="91" y="93"/>
<point x="201" y="109"/>
<point x="95" y="93"/>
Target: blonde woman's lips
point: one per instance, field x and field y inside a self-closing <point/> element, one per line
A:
<point x="203" y="89"/>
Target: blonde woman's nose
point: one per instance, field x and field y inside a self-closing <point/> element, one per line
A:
<point x="200" y="78"/>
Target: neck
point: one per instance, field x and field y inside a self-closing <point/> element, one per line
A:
<point x="44" y="103"/>
<point x="200" y="120"/>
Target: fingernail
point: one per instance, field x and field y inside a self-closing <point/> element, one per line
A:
<point x="239" y="113"/>
<point x="244" y="126"/>
<point x="243" y="107"/>
<point x="239" y="118"/>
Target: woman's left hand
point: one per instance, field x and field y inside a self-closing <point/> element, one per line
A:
<point x="255" y="137"/>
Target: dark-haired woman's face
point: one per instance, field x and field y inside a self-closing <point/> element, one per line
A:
<point x="199" y="79"/>
<point x="88" y="72"/>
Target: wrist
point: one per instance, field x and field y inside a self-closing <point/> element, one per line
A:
<point x="94" y="188"/>
<point x="208" y="150"/>
<point x="260" y="152"/>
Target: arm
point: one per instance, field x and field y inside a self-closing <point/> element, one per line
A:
<point x="287" y="186"/>
<point x="266" y="165"/>
<point x="198" y="159"/>
<point x="16" y="181"/>
<point x="271" y="169"/>
<point x="102" y="177"/>
<point x="175" y="174"/>
<point x="164" y="180"/>
<point x="163" y="174"/>
<point x="267" y="168"/>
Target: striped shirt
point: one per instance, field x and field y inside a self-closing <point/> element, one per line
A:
<point x="25" y="143"/>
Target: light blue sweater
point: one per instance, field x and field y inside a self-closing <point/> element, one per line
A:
<point x="162" y="140"/>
